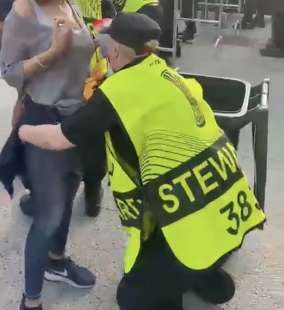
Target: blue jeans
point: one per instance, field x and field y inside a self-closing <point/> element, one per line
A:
<point x="53" y="178"/>
<point x="54" y="182"/>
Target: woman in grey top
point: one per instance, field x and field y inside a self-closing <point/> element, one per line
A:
<point x="45" y="54"/>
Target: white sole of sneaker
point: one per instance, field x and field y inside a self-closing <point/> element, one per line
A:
<point x="57" y="278"/>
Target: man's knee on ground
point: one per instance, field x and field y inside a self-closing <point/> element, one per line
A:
<point x="128" y="295"/>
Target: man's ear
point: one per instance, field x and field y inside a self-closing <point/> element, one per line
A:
<point x="116" y="50"/>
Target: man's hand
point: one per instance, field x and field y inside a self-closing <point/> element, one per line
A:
<point x="23" y="132"/>
<point x="49" y="137"/>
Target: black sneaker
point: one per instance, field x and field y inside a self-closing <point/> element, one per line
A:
<point x="26" y="205"/>
<point x="93" y="198"/>
<point x="23" y="306"/>
<point x="65" y="270"/>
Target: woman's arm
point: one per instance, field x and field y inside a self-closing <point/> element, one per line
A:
<point x="39" y="63"/>
<point x="16" y="66"/>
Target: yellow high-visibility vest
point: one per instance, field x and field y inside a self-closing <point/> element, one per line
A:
<point x="131" y="6"/>
<point x="92" y="10"/>
<point x="185" y="172"/>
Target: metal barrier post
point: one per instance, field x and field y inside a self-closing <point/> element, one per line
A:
<point x="221" y="5"/>
<point x="175" y="32"/>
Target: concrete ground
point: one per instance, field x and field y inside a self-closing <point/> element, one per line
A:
<point x="258" y="268"/>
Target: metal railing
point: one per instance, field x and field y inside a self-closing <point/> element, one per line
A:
<point x="220" y="6"/>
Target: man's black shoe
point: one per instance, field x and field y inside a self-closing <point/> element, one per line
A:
<point x="93" y="198"/>
<point x="216" y="287"/>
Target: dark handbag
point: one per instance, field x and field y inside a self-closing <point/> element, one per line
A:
<point x="12" y="162"/>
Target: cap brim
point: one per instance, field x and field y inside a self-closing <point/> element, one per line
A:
<point x="105" y="30"/>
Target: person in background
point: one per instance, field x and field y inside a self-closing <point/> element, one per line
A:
<point x="275" y="45"/>
<point x="168" y="22"/>
<point x="253" y="7"/>
<point x="48" y="59"/>
<point x="151" y="8"/>
<point x="180" y="193"/>
<point x="187" y="12"/>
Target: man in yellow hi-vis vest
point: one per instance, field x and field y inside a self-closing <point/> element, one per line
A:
<point x="180" y="193"/>
<point x="150" y="8"/>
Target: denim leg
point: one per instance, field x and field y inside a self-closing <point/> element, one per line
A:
<point x="59" y="239"/>
<point x="48" y="175"/>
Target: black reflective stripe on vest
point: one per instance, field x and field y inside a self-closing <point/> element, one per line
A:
<point x="191" y="186"/>
<point x="130" y="208"/>
<point x="129" y="204"/>
<point x="124" y="151"/>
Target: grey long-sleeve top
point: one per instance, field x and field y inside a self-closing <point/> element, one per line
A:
<point x="60" y="85"/>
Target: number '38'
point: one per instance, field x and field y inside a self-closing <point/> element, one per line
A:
<point x="233" y="214"/>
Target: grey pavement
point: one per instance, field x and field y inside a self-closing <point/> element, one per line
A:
<point x="258" y="268"/>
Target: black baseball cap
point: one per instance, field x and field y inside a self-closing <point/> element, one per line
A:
<point x="133" y="30"/>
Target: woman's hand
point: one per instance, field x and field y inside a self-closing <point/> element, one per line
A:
<point x="62" y="36"/>
<point x="61" y="42"/>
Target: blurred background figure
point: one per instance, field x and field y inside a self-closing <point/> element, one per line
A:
<point x="253" y="14"/>
<point x="187" y="12"/>
<point x="168" y="22"/>
<point x="275" y="45"/>
<point x="150" y="8"/>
